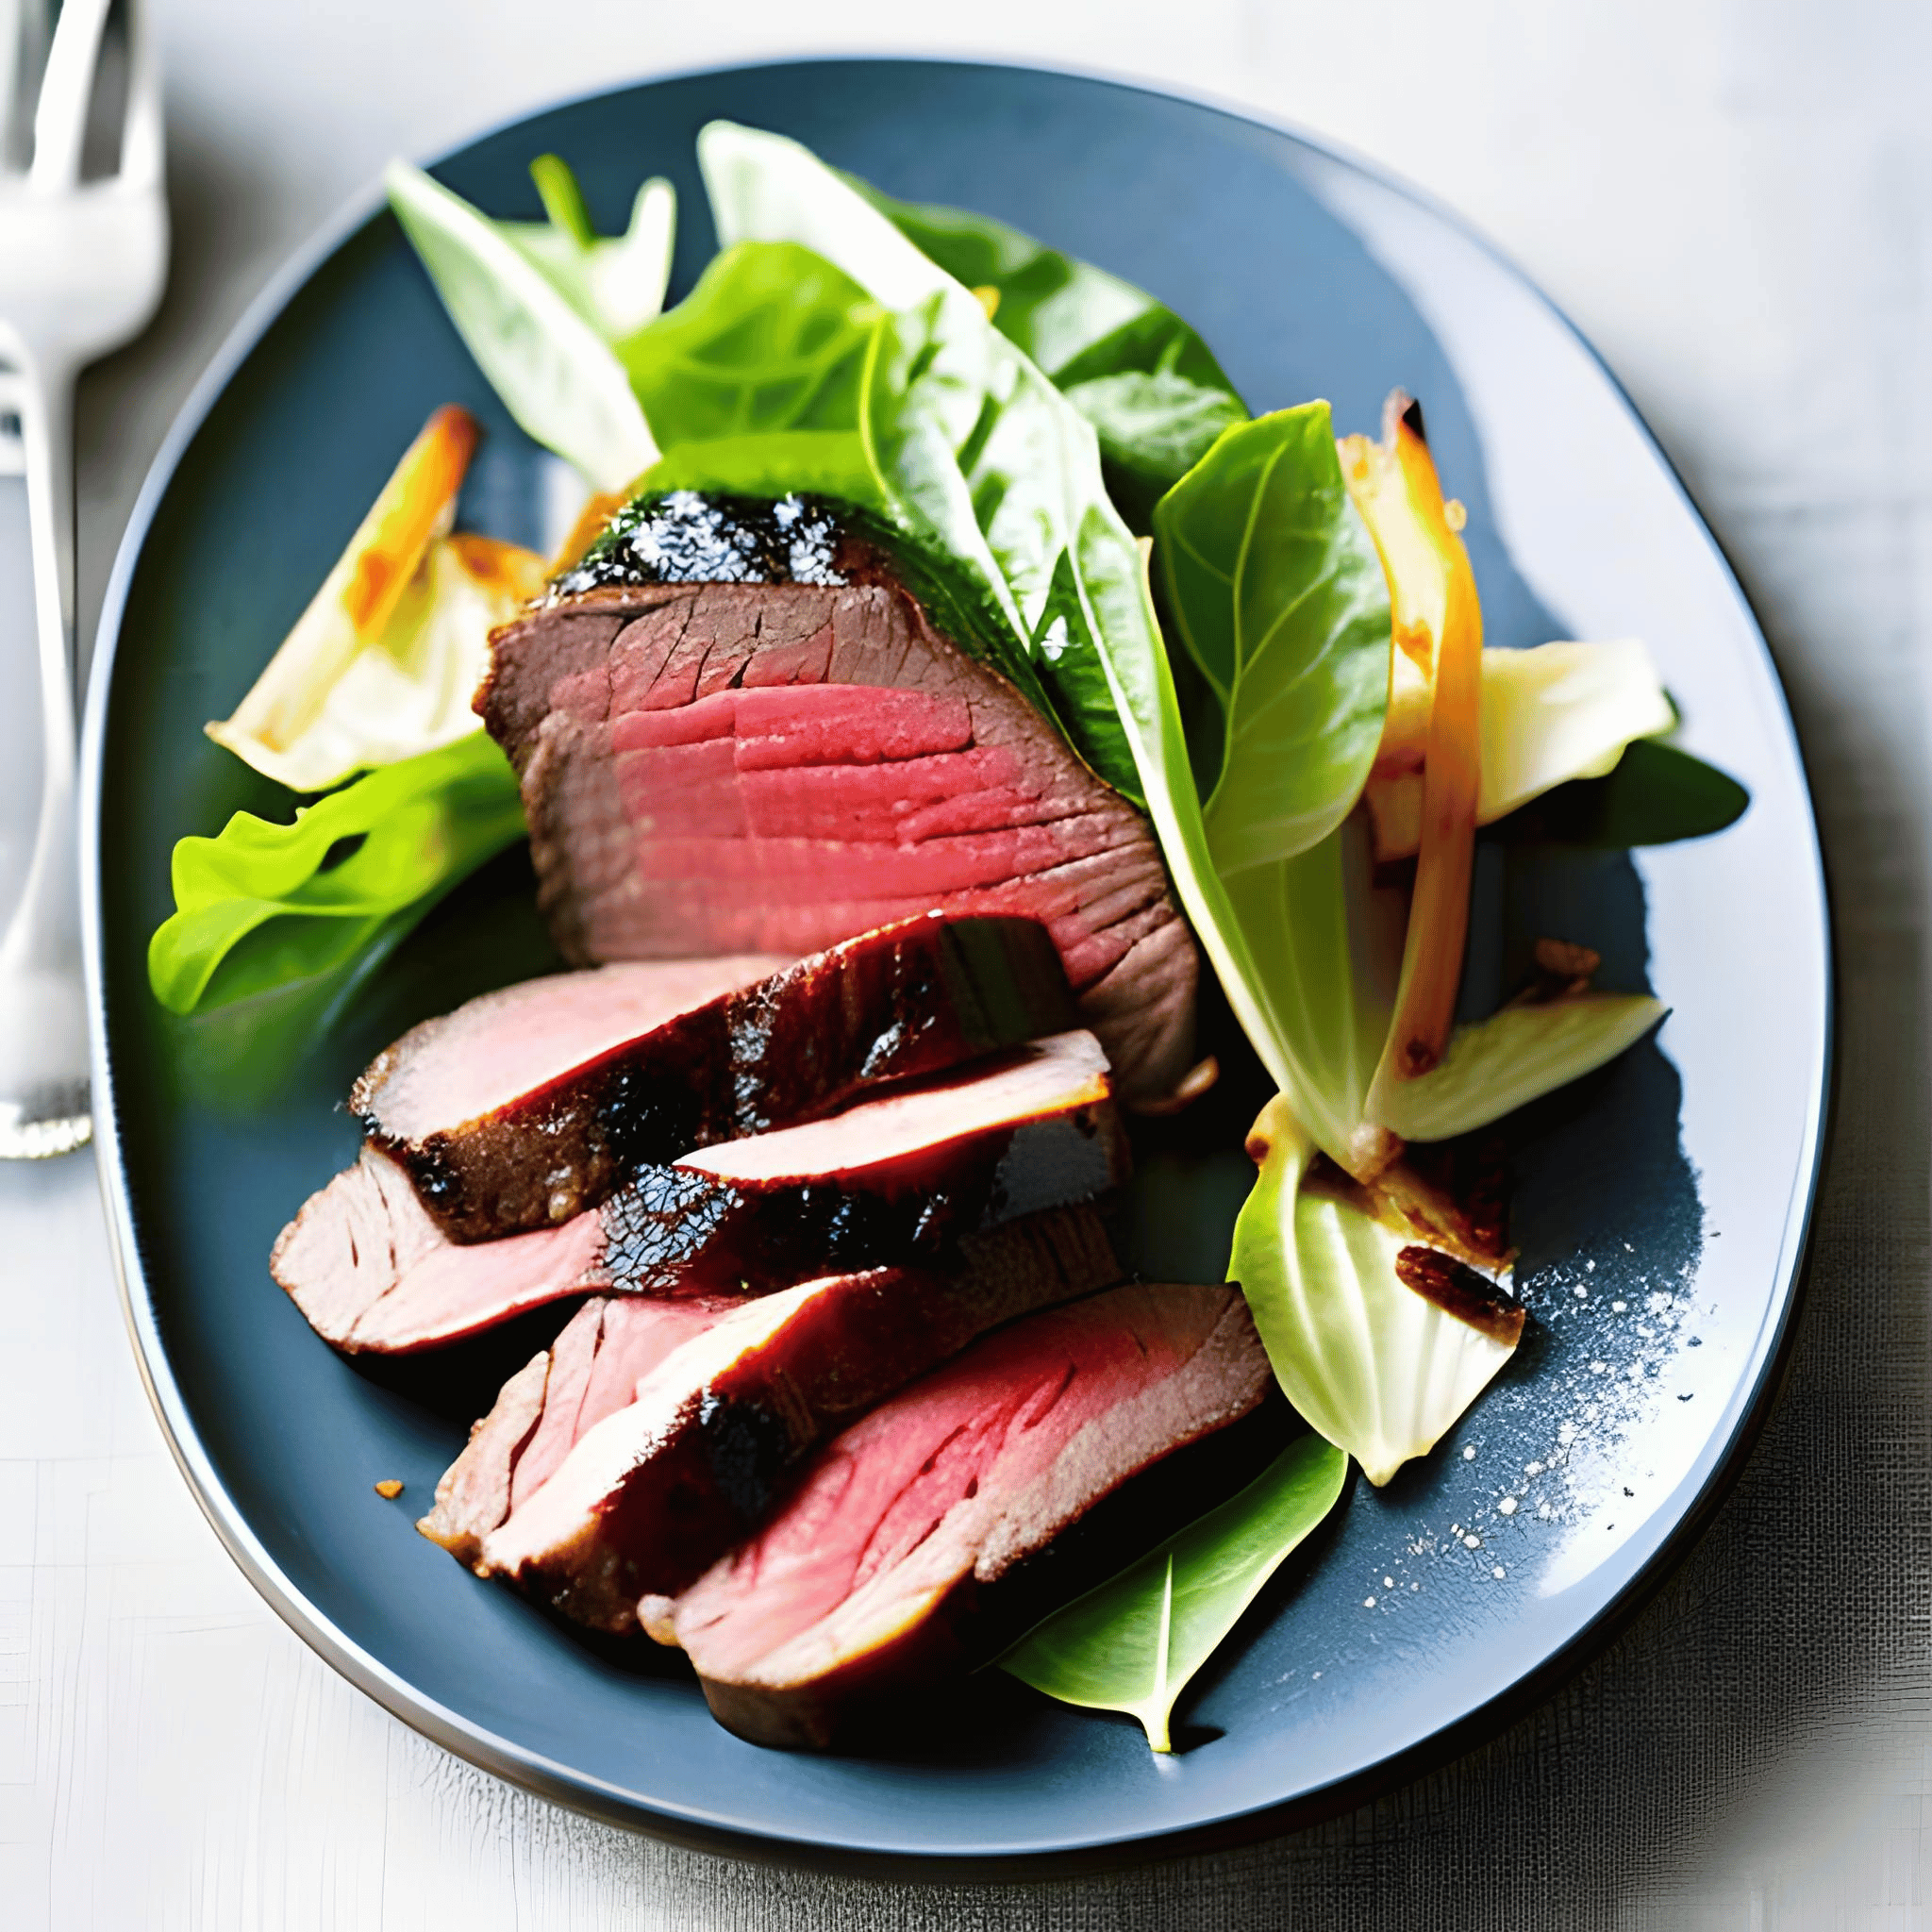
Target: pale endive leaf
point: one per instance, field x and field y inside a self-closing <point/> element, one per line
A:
<point x="1326" y="944"/>
<point x="1378" y="1367"/>
<point x="1133" y="1644"/>
<point x="403" y="690"/>
<point x="383" y="662"/>
<point x="616" y="282"/>
<point x="550" y="364"/>
<point x="1514" y="1057"/>
<point x="1549" y="715"/>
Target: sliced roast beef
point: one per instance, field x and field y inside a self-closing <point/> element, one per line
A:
<point x="865" y="1578"/>
<point x="654" y="1492"/>
<point x="789" y="752"/>
<point x="890" y="1181"/>
<point x="371" y="1270"/>
<point x="526" y="1106"/>
<point x="592" y="1369"/>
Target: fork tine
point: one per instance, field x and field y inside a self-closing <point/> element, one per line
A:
<point x="66" y="93"/>
<point x="140" y="130"/>
<point x="12" y="60"/>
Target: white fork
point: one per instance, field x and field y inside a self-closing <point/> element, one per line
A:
<point x="82" y="264"/>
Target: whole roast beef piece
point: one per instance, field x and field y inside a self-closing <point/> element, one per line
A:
<point x="737" y="729"/>
<point x="888" y="1181"/>
<point x="654" y="1491"/>
<point x="526" y="1106"/>
<point x="865" y="1580"/>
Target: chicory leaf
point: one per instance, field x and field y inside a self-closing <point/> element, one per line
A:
<point x="1656" y="794"/>
<point x="544" y="354"/>
<point x="615" y="283"/>
<point x="264" y="904"/>
<point x="1279" y="597"/>
<point x="384" y="661"/>
<point x="1133" y="1644"/>
<point x="1144" y="379"/>
<point x="1327" y="943"/>
<point x="1437" y="625"/>
<point x="1549" y="715"/>
<point x="1514" y="1057"/>
<point x="1377" y="1366"/>
<point x="293" y="725"/>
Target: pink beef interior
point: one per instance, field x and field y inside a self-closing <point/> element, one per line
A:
<point x="495" y="1049"/>
<point x="612" y="1344"/>
<point x="369" y="1270"/>
<point x="726" y="767"/>
<point x="966" y="1471"/>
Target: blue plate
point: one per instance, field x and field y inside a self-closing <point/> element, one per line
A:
<point x="1662" y="1209"/>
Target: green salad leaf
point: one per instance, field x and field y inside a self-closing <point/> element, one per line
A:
<point x="1281" y="599"/>
<point x="975" y="453"/>
<point x="1377" y="1367"/>
<point x="264" y="904"/>
<point x="772" y="341"/>
<point x="995" y="464"/>
<point x="1146" y="380"/>
<point x="1134" y="1643"/>
<point x="538" y="307"/>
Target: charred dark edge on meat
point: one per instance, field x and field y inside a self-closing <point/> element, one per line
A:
<point x="799" y="539"/>
<point x="674" y="1230"/>
<point x="789" y="1050"/>
<point x="1461" y="1292"/>
<point x="727" y="1457"/>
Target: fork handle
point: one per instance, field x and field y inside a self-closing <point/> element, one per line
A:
<point x="45" y="932"/>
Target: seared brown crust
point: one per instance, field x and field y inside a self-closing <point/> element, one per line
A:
<point x="912" y="999"/>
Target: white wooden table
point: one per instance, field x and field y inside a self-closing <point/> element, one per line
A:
<point x="1734" y="199"/>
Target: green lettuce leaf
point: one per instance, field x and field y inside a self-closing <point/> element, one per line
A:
<point x="1133" y="1643"/>
<point x="1281" y="599"/>
<point x="772" y="341"/>
<point x="1378" y="1367"/>
<point x="539" y="306"/>
<point x="988" y="461"/>
<point x="976" y="453"/>
<point x="1149" y="385"/>
<point x="264" y="905"/>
